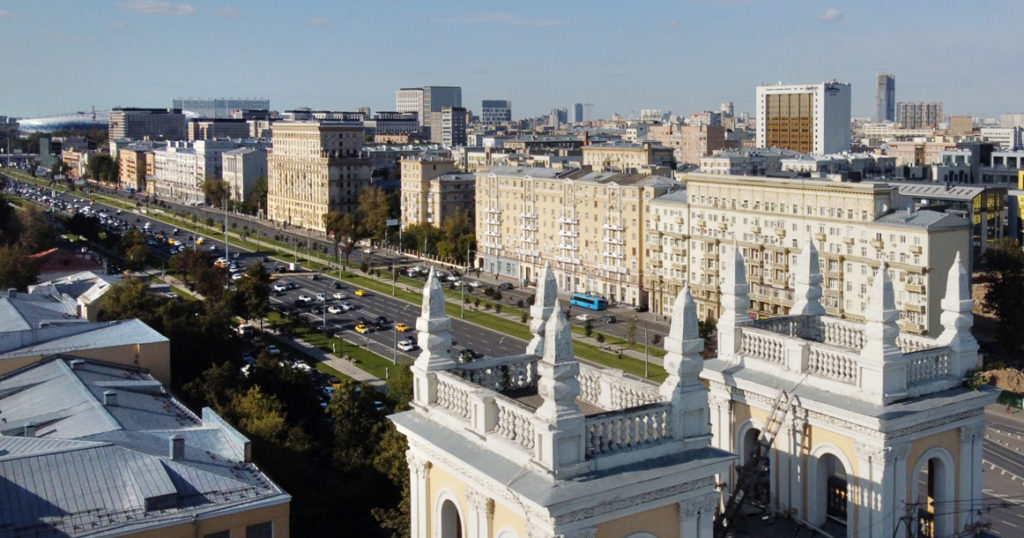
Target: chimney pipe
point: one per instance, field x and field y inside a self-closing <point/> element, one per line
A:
<point x="12" y="292"/>
<point x="30" y="429"/>
<point x="75" y="363"/>
<point x="177" y="447"/>
<point x="110" y="398"/>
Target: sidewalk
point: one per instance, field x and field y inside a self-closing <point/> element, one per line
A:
<point x="345" y="367"/>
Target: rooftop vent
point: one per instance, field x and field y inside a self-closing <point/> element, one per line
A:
<point x="76" y="363"/>
<point x="30" y="429"/>
<point x="12" y="293"/>
<point x="110" y="398"/>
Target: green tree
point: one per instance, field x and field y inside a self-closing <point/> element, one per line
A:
<point x="258" y="195"/>
<point x="37" y="234"/>
<point x="103" y="168"/>
<point x="17" y="268"/>
<point x="128" y="299"/>
<point x="356" y="423"/>
<point x="1006" y="293"/>
<point x="133" y="249"/>
<point x="215" y="191"/>
<point x="345" y="230"/>
<point x="631" y="331"/>
<point x="253" y="292"/>
<point x="375" y="211"/>
<point x="10" y="223"/>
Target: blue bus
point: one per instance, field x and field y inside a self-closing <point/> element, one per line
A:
<point x="588" y="301"/>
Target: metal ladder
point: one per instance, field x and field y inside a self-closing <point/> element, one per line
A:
<point x="758" y="463"/>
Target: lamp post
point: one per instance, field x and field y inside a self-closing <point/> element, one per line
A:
<point x="394" y="346"/>
<point x="646" y="364"/>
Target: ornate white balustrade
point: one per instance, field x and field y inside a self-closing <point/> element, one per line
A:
<point x="831" y="363"/>
<point x="842" y="333"/>
<point x="453" y="396"/>
<point x="501" y="373"/>
<point x="927" y="365"/>
<point x="611" y="389"/>
<point x="763" y="345"/>
<point x="515" y="423"/>
<point x="910" y="343"/>
<point x="627" y="429"/>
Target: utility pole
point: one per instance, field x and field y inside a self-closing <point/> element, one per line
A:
<point x="226" y="248"/>
<point x="394" y="346"/>
<point x="646" y="371"/>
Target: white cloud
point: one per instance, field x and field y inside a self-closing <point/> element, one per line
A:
<point x="158" y="8"/>
<point x="831" y="15"/>
<point x="501" y="18"/>
<point x="317" y="22"/>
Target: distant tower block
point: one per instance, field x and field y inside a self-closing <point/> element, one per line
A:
<point x="872" y="426"/>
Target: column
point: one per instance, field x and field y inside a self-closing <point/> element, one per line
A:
<point x="791" y="468"/>
<point x="419" y="500"/>
<point x="697" y="516"/>
<point x="874" y="490"/>
<point x="972" y="437"/>
<point x="481" y="514"/>
<point x="721" y="420"/>
<point x="896" y="457"/>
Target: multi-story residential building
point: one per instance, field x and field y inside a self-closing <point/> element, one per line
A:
<point x="147" y="123"/>
<point x="90" y="447"/>
<point x="1008" y="138"/>
<point x="410" y="100"/>
<point x="137" y="164"/>
<point x="314" y="168"/>
<point x="432" y="191"/>
<point x="918" y="153"/>
<point x="393" y="123"/>
<point x="918" y="115"/>
<point x="961" y="125"/>
<point x="448" y="126"/>
<point x="855" y="227"/>
<point x="219" y="107"/>
<point x="626" y="157"/>
<point x="1015" y="119"/>
<point x="885" y="98"/>
<point x="495" y="111"/>
<point x="75" y="162"/>
<point x="585" y="224"/>
<point x="809" y="118"/>
<point x="182" y="168"/>
<point x="212" y="129"/>
<point x="689" y="143"/>
<point x="746" y="162"/>
<point x="241" y="168"/>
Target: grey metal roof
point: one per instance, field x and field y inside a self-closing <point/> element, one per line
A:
<point x="939" y="191"/>
<point x="677" y="196"/>
<point x="24" y="311"/>
<point x="79" y="335"/>
<point x="932" y="220"/>
<point x="97" y="470"/>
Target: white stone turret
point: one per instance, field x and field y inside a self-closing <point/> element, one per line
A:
<point x="735" y="303"/>
<point x="957" y="319"/>
<point x="683" y="363"/>
<point x="807" y="289"/>
<point x="558" y="385"/>
<point x="544" y="302"/>
<point x="435" y="338"/>
<point x="885" y="375"/>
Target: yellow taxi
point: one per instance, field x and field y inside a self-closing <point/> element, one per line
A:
<point x="401" y="327"/>
<point x="360" y="293"/>
<point x="362" y="329"/>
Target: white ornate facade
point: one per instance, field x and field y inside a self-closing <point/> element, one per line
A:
<point x="539" y="445"/>
<point x="879" y="435"/>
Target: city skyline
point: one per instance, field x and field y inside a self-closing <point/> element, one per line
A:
<point x="679" y="56"/>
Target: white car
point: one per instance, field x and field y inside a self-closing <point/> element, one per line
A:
<point x="237" y="276"/>
<point x="340" y="295"/>
<point x="583" y="317"/>
<point x="346" y="306"/>
<point x="474" y="284"/>
<point x="281" y="286"/>
<point x="305" y="298"/>
<point x="407" y="345"/>
<point x="321" y="297"/>
<point x="334" y="309"/>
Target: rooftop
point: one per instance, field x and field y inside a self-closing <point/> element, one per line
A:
<point x="89" y="447"/>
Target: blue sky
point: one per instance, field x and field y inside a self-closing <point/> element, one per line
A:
<point x="683" y="56"/>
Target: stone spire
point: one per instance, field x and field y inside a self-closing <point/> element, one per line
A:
<point x="434" y="326"/>
<point x="807" y="291"/>
<point x="735" y="303"/>
<point x="957" y="318"/>
<point x="884" y="380"/>
<point x="544" y="302"/>
<point x="683" y="363"/>
<point x="558" y="370"/>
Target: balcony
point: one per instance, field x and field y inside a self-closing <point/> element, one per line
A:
<point x="848" y="240"/>
<point x="755" y="230"/>
<point x="567" y="259"/>
<point x="493" y="210"/>
<point x="613" y="240"/>
<point x="568" y="246"/>
<point x="820" y="238"/>
<point x="915" y="249"/>
<point x="529" y="252"/>
<point x="613" y="226"/>
<point x="489" y="220"/>
<point x="528" y="227"/>
<point x="489" y="233"/>
<point x="610" y="254"/>
<point x="527" y="215"/>
<point x="568" y="220"/>
<point x="878" y="243"/>
<point x="568" y="233"/>
<point x="911" y="307"/>
<point x="781" y="232"/>
<point x="914" y="287"/>
<point x="530" y="240"/>
<point x="723" y="226"/>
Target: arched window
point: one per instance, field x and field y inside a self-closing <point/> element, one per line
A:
<point x="932" y="493"/>
<point x="448" y="522"/>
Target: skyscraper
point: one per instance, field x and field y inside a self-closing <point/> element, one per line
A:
<point x="577" y="116"/>
<point x="919" y="115"/>
<point x="495" y="111"/>
<point x="885" y="98"/>
<point x="437" y="97"/>
<point x="809" y="118"/>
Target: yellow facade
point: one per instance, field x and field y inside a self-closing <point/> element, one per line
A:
<point x="155" y="357"/>
<point x="235" y="523"/>
<point x="441" y="481"/>
<point x="662" y="522"/>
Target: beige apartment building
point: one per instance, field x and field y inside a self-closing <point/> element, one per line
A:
<point x="853" y="226"/>
<point x="432" y="191"/>
<point x="689" y="142"/>
<point x="587" y="225"/>
<point x="314" y="168"/>
<point x="919" y="153"/>
<point x="626" y="157"/>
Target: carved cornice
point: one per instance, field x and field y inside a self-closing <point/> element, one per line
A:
<point x="479" y="502"/>
<point x="973" y="431"/>
<point x="418" y="464"/>
<point x="637" y="500"/>
<point x="701" y="505"/>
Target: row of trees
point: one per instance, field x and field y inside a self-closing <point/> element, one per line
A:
<point x="369" y="221"/>
<point x="24" y="230"/>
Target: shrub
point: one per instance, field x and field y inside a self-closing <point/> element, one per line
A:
<point x="524" y="318"/>
<point x="600" y="338"/>
<point x="588" y="328"/>
<point x="497" y="308"/>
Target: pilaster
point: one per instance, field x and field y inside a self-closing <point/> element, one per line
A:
<point x="419" y="468"/>
<point x="481" y="513"/>
<point x="972" y="439"/>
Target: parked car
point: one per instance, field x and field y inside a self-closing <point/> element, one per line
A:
<point x="474" y="284"/>
<point x="608" y="318"/>
<point x="340" y="295"/>
<point x="305" y="298"/>
<point x="583" y="317"/>
<point x="321" y="297"/>
<point x="504" y="286"/>
<point x="406" y="345"/>
<point x="273" y="350"/>
<point x="334" y="309"/>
